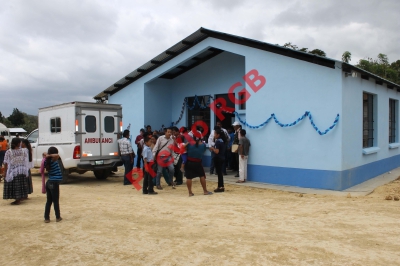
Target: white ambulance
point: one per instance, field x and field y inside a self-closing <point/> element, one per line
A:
<point x="85" y="135"/>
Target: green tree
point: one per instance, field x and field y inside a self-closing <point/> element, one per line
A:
<point x="346" y="57"/>
<point x="290" y="45"/>
<point x="16" y="118"/>
<point x="381" y="67"/>
<point x="318" y="52"/>
<point x="31" y="122"/>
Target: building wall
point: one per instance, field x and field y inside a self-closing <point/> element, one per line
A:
<point x="357" y="166"/>
<point x="295" y="155"/>
<point x="132" y="100"/>
<point x="157" y="98"/>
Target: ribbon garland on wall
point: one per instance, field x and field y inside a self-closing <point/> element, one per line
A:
<point x="273" y="116"/>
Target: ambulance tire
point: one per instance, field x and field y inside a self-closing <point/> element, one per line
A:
<point x="64" y="172"/>
<point x="101" y="174"/>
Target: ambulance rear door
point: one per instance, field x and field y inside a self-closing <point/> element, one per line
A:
<point x="91" y="137"/>
<point x="109" y="133"/>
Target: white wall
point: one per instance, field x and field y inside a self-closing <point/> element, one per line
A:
<point x="352" y="121"/>
<point x="293" y="87"/>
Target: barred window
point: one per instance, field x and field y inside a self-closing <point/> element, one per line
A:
<point x="392" y="120"/>
<point x="368" y="120"/>
<point x="199" y="110"/>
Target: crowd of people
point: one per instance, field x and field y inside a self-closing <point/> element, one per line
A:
<point x="177" y="152"/>
<point x="174" y="152"/>
<point x="17" y="174"/>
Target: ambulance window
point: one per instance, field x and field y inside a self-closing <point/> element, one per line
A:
<point x="33" y="136"/>
<point x="109" y="124"/>
<point x="90" y="123"/>
<point x="55" y="125"/>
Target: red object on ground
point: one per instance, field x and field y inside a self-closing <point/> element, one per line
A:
<point x="138" y="174"/>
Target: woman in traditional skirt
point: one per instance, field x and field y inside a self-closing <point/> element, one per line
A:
<point x="16" y="171"/>
<point x="29" y="164"/>
<point x="194" y="167"/>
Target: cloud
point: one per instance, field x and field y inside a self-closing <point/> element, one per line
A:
<point x="55" y="51"/>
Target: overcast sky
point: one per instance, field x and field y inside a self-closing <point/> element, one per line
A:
<point x="56" y="51"/>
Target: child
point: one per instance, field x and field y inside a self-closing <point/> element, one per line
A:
<point x="53" y="184"/>
<point x="148" y="186"/>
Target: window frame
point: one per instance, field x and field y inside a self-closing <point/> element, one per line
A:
<point x="107" y="123"/>
<point x="95" y="124"/>
<point x="53" y="129"/>
<point x="194" y="114"/>
<point x="369" y="120"/>
<point x="393" y="120"/>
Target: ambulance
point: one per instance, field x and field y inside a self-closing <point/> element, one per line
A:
<point x="85" y="135"/>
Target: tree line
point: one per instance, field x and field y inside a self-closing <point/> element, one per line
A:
<point x="20" y="119"/>
<point x="379" y="66"/>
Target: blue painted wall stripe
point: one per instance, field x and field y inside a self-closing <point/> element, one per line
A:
<point x="320" y="179"/>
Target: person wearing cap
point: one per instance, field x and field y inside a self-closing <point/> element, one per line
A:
<point x="139" y="147"/>
<point x="237" y="127"/>
<point x="127" y="154"/>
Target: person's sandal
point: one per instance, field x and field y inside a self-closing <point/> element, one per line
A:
<point x="220" y="189"/>
<point x="47" y="221"/>
<point x="240" y="181"/>
<point x="58" y="219"/>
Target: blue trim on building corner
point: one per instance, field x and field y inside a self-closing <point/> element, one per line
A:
<point x="321" y="179"/>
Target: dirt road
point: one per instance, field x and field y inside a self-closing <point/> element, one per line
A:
<point x="106" y="223"/>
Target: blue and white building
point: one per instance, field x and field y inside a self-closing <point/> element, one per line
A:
<point x="350" y="127"/>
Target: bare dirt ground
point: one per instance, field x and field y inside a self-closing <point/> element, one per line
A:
<point x="106" y="223"/>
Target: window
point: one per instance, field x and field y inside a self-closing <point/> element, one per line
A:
<point x="109" y="124"/>
<point x="55" y="125"/>
<point x="200" y="111"/>
<point x="90" y="123"/>
<point x="242" y="106"/>
<point x="33" y="137"/>
<point x="368" y="120"/>
<point x="392" y="120"/>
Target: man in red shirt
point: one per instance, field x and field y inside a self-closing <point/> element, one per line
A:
<point x="139" y="148"/>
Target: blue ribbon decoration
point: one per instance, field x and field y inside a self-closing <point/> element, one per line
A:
<point x="273" y="116"/>
<point x="306" y="114"/>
